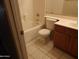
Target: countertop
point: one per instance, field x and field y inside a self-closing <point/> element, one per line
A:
<point x="67" y="21"/>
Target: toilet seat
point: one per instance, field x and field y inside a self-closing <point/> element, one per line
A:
<point x="44" y="32"/>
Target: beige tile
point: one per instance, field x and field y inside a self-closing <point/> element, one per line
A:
<point x="32" y="41"/>
<point x="48" y="46"/>
<point x="56" y="53"/>
<point x="31" y="49"/>
<point x="66" y="56"/>
<point x="36" y="53"/>
<point x="30" y="57"/>
<point x="38" y="50"/>
<point x="44" y="47"/>
<point x="40" y="55"/>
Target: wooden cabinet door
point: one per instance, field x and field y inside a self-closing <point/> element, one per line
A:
<point x="60" y="40"/>
<point x="73" y="44"/>
<point x="73" y="47"/>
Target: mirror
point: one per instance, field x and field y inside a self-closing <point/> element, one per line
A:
<point x="62" y="7"/>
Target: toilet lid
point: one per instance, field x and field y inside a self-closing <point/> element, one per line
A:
<point x="44" y="32"/>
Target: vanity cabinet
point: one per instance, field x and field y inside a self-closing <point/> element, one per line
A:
<point x="66" y="39"/>
<point x="73" y="46"/>
<point x="60" y="40"/>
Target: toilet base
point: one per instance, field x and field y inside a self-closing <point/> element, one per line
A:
<point x="45" y="40"/>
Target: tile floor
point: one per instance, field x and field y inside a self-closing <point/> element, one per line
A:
<point x="38" y="50"/>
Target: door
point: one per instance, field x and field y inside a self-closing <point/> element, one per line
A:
<point x="8" y="48"/>
<point x="14" y="20"/>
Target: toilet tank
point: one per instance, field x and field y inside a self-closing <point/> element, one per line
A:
<point x="50" y="23"/>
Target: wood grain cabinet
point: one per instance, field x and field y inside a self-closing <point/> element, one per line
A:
<point x="73" y="46"/>
<point x="66" y="39"/>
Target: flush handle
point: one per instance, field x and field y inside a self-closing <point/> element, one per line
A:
<point x="57" y="20"/>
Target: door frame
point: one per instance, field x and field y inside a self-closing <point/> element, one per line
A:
<point x="14" y="20"/>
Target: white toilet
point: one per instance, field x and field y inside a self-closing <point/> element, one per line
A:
<point x="45" y="33"/>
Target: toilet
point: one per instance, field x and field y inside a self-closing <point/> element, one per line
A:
<point x="45" y="33"/>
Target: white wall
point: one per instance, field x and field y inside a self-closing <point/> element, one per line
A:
<point x="27" y="13"/>
<point x="62" y="7"/>
<point x="29" y="10"/>
<point x="70" y="7"/>
<point x="54" y="6"/>
<point x="39" y="6"/>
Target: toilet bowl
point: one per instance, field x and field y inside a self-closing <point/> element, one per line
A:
<point x="45" y="33"/>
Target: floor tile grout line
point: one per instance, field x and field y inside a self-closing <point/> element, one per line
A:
<point x="32" y="56"/>
<point x="43" y="52"/>
<point x="60" y="55"/>
<point x="41" y="49"/>
<point x="31" y="41"/>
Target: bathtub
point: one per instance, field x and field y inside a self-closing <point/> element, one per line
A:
<point x="31" y="33"/>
